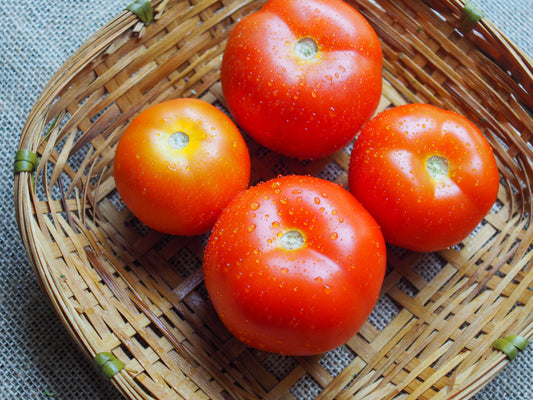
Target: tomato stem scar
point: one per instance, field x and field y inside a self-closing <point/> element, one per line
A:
<point x="306" y="48"/>
<point x="437" y="167"/>
<point x="178" y="140"/>
<point x="292" y="240"/>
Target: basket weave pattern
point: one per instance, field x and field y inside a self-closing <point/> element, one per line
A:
<point x="122" y="288"/>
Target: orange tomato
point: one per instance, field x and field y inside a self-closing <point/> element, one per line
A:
<point x="179" y="163"/>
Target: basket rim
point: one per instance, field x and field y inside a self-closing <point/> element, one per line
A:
<point x="485" y="36"/>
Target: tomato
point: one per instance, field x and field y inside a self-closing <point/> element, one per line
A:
<point x="302" y="76"/>
<point x="427" y="175"/>
<point x="294" y="265"/>
<point x="178" y="164"/>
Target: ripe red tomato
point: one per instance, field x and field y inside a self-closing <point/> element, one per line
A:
<point x="302" y="76"/>
<point x="428" y="176"/>
<point x="179" y="163"/>
<point x="294" y="265"/>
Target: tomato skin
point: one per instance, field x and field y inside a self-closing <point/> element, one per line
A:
<point x="304" y="109"/>
<point x="388" y="175"/>
<point x="181" y="191"/>
<point x="299" y="301"/>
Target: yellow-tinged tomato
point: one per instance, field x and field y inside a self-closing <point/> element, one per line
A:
<point x="179" y="163"/>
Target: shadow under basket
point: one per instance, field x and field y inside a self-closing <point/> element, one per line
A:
<point x="137" y="296"/>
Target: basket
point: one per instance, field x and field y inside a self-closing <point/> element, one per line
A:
<point x="133" y="299"/>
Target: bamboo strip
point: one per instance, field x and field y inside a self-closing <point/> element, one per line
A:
<point x="120" y="287"/>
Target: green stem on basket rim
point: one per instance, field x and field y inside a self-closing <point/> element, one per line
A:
<point x="25" y="161"/>
<point x="473" y="13"/>
<point x="471" y="16"/>
<point x="143" y="10"/>
<point x="108" y="364"/>
<point x="519" y="342"/>
<point x="510" y="345"/>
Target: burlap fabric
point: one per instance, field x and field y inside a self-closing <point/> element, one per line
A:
<point x="38" y="360"/>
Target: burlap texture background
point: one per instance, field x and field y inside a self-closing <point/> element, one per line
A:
<point x="38" y="360"/>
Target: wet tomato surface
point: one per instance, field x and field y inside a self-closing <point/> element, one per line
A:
<point x="294" y="265"/>
<point x="178" y="164"/>
<point x="427" y="175"/>
<point x="302" y="76"/>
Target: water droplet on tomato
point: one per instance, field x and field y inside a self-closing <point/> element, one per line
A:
<point x="276" y="224"/>
<point x="251" y="228"/>
<point x="255" y="205"/>
<point x="334" y="236"/>
<point x="284" y="270"/>
<point x="317" y="200"/>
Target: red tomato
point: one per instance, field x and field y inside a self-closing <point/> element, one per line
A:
<point x="294" y="265"/>
<point x="302" y="76"/>
<point x="178" y="164"/>
<point x="428" y="176"/>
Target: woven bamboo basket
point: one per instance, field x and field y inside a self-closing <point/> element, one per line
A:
<point x="137" y="296"/>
